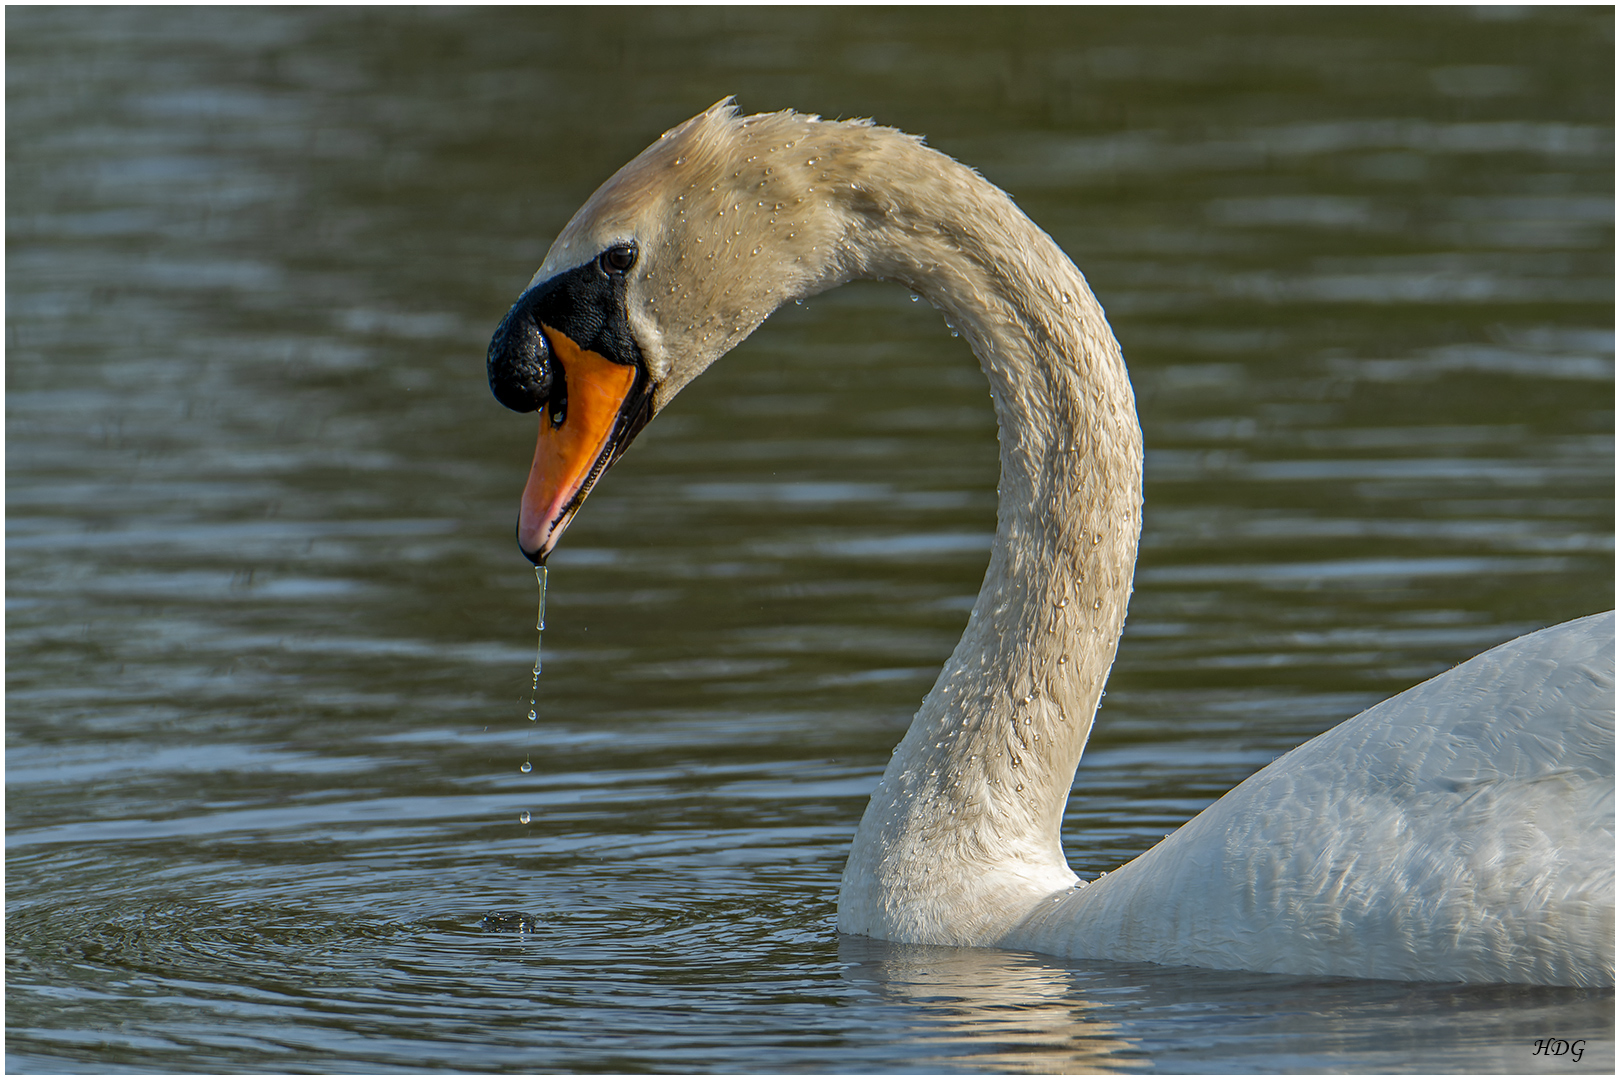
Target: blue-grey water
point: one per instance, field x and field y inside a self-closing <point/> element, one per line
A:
<point x="269" y="637"/>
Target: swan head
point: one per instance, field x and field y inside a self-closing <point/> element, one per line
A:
<point x="679" y="256"/>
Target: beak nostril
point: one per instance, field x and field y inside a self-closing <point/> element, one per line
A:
<point x="556" y="393"/>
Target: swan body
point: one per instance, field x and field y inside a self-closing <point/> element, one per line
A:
<point x="1463" y="830"/>
<point x="1460" y="831"/>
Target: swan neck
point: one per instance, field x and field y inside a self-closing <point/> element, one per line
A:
<point x="962" y="835"/>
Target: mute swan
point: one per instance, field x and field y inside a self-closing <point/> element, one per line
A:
<point x="1461" y="831"/>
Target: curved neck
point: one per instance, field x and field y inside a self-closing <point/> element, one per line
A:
<point x="737" y="215"/>
<point x="962" y="835"/>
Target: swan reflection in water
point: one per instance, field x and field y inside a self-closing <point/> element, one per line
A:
<point x="1000" y="1011"/>
<point x="995" y="1011"/>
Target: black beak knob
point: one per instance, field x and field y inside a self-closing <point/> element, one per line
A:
<point x="520" y="361"/>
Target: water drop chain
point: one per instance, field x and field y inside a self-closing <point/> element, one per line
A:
<point x="534" y="686"/>
<point x="539" y="638"/>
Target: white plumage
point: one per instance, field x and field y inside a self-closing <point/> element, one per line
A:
<point x="1463" y="830"/>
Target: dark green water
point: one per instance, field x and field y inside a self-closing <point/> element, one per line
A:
<point x="269" y="635"/>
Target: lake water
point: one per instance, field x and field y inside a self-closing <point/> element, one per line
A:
<point x="269" y="636"/>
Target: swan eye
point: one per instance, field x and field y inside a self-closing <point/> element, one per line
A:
<point x="618" y="259"/>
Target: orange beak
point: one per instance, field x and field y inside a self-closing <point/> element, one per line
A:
<point x="574" y="447"/>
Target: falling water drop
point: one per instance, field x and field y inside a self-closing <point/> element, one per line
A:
<point x="524" y="817"/>
<point x="526" y="766"/>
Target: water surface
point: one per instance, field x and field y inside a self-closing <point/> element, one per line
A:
<point x="270" y="638"/>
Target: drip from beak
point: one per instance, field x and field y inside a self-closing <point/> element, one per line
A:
<point x="584" y="427"/>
